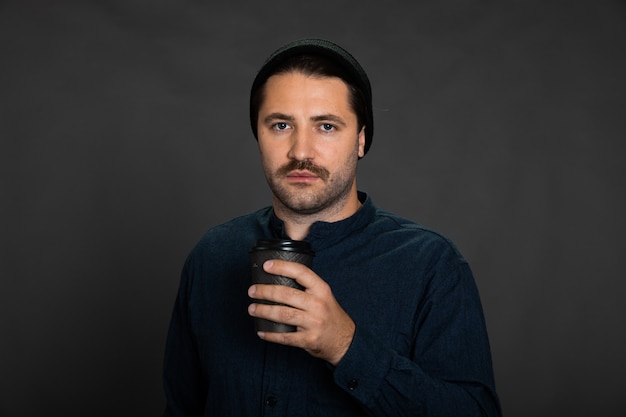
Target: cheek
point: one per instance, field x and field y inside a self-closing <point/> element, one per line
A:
<point x="263" y="149"/>
<point x="268" y="162"/>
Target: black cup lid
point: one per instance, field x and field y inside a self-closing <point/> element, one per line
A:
<point x="299" y="246"/>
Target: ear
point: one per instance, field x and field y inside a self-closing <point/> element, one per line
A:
<point x="362" y="142"/>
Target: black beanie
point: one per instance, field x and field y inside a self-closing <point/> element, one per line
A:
<point x="328" y="50"/>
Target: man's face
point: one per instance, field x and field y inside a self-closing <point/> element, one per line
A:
<point x="309" y="142"/>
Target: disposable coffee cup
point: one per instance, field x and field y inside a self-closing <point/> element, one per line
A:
<point x="285" y="249"/>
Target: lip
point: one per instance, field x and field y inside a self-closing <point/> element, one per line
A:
<point x="302" y="176"/>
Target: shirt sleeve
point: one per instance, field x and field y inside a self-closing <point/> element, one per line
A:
<point x="183" y="383"/>
<point x="448" y="371"/>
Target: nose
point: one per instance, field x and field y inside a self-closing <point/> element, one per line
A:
<point x="302" y="147"/>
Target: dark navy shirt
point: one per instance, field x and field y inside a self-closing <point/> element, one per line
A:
<point x="420" y="346"/>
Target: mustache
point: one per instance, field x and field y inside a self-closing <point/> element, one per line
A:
<point x="305" y="165"/>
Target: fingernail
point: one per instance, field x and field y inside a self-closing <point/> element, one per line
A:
<point x="268" y="264"/>
<point x="252" y="290"/>
<point x="251" y="308"/>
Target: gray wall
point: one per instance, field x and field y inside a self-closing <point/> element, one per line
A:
<point x="124" y="136"/>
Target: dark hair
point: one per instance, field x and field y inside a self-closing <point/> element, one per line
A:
<point x="312" y="65"/>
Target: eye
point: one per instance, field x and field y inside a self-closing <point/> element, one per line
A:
<point x="327" y="127"/>
<point x="280" y="126"/>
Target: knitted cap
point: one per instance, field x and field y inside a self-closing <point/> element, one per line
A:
<point x="320" y="47"/>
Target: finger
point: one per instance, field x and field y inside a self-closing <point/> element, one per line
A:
<point x="278" y="314"/>
<point x="289" y="338"/>
<point x="279" y="294"/>
<point x="301" y="273"/>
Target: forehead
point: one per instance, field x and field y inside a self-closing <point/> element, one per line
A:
<point x="297" y="89"/>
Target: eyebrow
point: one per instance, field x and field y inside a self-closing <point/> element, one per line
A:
<point x="278" y="116"/>
<point x="329" y="117"/>
<point x="322" y="117"/>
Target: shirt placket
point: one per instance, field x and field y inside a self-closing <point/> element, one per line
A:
<point x="276" y="381"/>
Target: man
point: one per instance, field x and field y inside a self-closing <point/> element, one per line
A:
<point x="389" y="322"/>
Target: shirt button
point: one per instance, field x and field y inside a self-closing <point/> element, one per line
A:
<point x="271" y="401"/>
<point x="353" y="384"/>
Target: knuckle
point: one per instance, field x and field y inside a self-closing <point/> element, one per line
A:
<point x="260" y="291"/>
<point x="285" y="338"/>
<point x="287" y="314"/>
<point x="312" y="340"/>
<point x="320" y="306"/>
<point x="296" y="294"/>
<point x="261" y="310"/>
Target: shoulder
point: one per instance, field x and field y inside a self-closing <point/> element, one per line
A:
<point x="414" y="239"/>
<point x="239" y="232"/>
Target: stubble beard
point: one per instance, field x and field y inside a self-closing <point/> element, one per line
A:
<point x="304" y="199"/>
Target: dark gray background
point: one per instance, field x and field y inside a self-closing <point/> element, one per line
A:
<point x="124" y="136"/>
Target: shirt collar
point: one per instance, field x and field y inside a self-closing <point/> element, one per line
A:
<point x="325" y="234"/>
